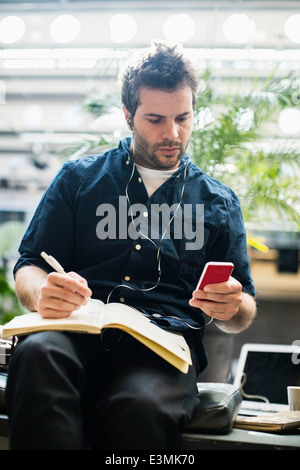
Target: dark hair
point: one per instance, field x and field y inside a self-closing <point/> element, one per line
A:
<point x="163" y="67"/>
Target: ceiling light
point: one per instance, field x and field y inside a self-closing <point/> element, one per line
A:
<point x="12" y="29"/>
<point x="292" y="28"/>
<point x="65" y="28"/>
<point x="179" y="27"/>
<point x="122" y="28"/>
<point x="239" y="28"/>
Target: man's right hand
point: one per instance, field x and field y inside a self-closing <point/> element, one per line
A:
<point x="61" y="294"/>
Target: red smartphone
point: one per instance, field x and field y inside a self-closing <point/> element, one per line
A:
<point x="215" y="272"/>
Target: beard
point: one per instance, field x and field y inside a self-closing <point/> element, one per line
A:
<point x="147" y="155"/>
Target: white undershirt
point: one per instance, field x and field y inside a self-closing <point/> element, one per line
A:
<point x="153" y="179"/>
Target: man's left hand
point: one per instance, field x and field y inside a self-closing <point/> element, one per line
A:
<point x="220" y="301"/>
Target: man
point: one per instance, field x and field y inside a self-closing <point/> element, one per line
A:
<point x="99" y="218"/>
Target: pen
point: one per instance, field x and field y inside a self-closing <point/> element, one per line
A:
<point x="52" y="262"/>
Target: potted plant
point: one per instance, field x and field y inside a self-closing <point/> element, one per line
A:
<point x="235" y="140"/>
<point x="10" y="235"/>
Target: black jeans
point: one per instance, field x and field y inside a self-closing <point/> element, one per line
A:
<point x="78" y="391"/>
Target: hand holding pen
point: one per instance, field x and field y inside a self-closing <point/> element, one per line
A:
<point x="62" y="292"/>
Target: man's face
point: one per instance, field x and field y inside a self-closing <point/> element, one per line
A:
<point x="162" y="127"/>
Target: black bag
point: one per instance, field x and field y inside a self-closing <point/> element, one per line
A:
<point x="6" y="348"/>
<point x="217" y="410"/>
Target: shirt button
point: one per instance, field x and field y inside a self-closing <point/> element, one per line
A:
<point x="140" y="179"/>
<point x="122" y="299"/>
<point x="138" y="247"/>
<point x="145" y="214"/>
<point x="127" y="278"/>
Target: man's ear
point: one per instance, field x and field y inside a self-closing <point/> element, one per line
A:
<point x="128" y="118"/>
<point x="126" y="113"/>
<point x="130" y="123"/>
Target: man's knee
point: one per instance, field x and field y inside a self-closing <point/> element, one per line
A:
<point x="36" y="347"/>
<point x="42" y="358"/>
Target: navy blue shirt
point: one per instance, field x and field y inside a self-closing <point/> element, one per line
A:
<point x="83" y="220"/>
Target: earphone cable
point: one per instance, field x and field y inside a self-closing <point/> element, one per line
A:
<point x="158" y="246"/>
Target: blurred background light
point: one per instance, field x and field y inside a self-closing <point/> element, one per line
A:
<point x="33" y="116"/>
<point x="122" y="27"/>
<point x="65" y="28"/>
<point x="12" y="28"/>
<point x="2" y="92"/>
<point x="244" y="119"/>
<point x="73" y="116"/>
<point x="289" y="121"/>
<point x="179" y="27"/>
<point x="292" y="28"/>
<point x="239" y="28"/>
<point x="203" y="118"/>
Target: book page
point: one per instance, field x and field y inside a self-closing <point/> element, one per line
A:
<point x="87" y="319"/>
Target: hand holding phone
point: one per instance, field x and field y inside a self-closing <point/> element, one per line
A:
<point x="215" y="272"/>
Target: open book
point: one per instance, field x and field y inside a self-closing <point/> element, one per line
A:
<point x="95" y="316"/>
